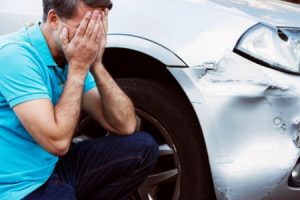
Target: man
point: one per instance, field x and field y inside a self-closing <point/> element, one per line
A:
<point x="48" y="73"/>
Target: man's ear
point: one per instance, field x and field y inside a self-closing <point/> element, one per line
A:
<point x="53" y="19"/>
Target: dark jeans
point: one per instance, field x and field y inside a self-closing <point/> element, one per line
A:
<point x="107" y="168"/>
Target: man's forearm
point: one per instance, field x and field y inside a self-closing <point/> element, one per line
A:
<point x="67" y="110"/>
<point x="118" y="109"/>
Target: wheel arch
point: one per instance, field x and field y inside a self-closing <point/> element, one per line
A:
<point x="128" y="56"/>
<point x="146" y="46"/>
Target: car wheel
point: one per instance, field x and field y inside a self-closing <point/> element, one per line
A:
<point x="182" y="171"/>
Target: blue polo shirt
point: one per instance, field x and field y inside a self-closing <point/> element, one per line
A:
<point x="27" y="72"/>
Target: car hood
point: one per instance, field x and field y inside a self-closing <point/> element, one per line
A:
<point x="198" y="31"/>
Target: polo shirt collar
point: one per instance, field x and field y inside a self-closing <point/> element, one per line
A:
<point x="38" y="41"/>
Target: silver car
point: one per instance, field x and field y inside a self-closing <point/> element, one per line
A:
<point x="216" y="82"/>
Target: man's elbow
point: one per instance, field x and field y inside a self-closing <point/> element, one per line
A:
<point x="60" y="148"/>
<point x="129" y="128"/>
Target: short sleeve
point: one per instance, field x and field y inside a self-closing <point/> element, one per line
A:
<point x="20" y="76"/>
<point x="89" y="82"/>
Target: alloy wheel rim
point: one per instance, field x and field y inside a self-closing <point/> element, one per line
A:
<point x="167" y="173"/>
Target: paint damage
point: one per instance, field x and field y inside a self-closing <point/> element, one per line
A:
<point x="254" y="117"/>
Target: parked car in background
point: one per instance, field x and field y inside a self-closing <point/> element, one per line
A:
<point x="217" y="84"/>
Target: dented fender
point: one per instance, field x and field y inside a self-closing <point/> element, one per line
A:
<point x="249" y="115"/>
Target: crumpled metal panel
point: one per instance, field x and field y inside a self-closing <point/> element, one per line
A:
<point x="250" y="119"/>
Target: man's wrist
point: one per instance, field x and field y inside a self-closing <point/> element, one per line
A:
<point x="77" y="74"/>
<point x="77" y="68"/>
<point x="98" y="64"/>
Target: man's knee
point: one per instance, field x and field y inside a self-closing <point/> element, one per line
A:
<point x="145" y="145"/>
<point x="150" y="145"/>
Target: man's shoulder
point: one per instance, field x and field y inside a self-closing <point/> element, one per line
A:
<point x="16" y="43"/>
<point x="17" y="55"/>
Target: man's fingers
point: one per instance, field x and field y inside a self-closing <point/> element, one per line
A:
<point x="83" y="24"/>
<point x="96" y="29"/>
<point x="105" y="19"/>
<point x="91" y="25"/>
<point x="100" y="33"/>
<point x="64" y="38"/>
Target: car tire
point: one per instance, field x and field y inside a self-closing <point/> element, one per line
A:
<point x="166" y="113"/>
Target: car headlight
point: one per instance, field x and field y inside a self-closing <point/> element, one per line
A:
<point x="275" y="47"/>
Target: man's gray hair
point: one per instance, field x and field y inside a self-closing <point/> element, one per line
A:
<point x="67" y="8"/>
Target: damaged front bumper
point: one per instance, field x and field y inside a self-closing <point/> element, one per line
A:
<point x="250" y="117"/>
